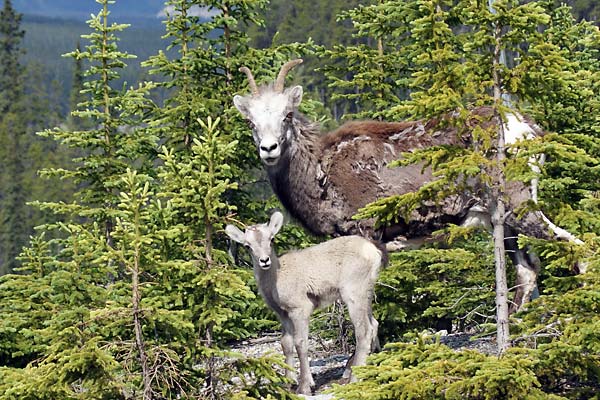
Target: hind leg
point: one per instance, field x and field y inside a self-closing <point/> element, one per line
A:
<point x="364" y="330"/>
<point x="375" y="347"/>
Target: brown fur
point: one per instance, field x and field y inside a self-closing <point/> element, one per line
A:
<point x="326" y="179"/>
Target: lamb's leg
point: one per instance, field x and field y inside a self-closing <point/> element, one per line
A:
<point x="300" y="320"/>
<point x="287" y="344"/>
<point x="375" y="345"/>
<point x="359" y="310"/>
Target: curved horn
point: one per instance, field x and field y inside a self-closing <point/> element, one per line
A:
<point x="278" y="87"/>
<point x="251" y="81"/>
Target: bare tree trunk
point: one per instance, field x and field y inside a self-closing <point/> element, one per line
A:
<point x="499" y="210"/>
<point x="137" y="326"/>
<point x="380" y="53"/>
<point x="211" y="374"/>
<point x="502" y="326"/>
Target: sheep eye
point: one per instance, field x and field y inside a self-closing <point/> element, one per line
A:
<point x="289" y="116"/>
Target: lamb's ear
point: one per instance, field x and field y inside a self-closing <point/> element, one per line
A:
<point x="276" y="222"/>
<point x="295" y="96"/>
<point x="241" y="103"/>
<point x="234" y="233"/>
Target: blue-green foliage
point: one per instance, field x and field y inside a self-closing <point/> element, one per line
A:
<point x="435" y="288"/>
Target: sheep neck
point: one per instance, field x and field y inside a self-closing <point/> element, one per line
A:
<point x="295" y="178"/>
<point x="267" y="283"/>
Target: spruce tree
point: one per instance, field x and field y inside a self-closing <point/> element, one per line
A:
<point x="205" y="159"/>
<point x="76" y="347"/>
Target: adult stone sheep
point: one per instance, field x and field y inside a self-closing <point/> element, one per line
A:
<point x="324" y="179"/>
<point x="295" y="284"/>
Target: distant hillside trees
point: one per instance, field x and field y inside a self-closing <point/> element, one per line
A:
<point x="585" y="9"/>
<point x="28" y="103"/>
<point x="13" y="144"/>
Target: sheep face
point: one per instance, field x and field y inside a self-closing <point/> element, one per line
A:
<point x="258" y="239"/>
<point x="270" y="114"/>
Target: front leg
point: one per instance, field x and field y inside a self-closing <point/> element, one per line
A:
<point x="300" y="320"/>
<point x="287" y="345"/>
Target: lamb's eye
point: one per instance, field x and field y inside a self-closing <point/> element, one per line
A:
<point x="289" y="117"/>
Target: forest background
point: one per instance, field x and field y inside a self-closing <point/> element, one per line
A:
<point x="118" y="174"/>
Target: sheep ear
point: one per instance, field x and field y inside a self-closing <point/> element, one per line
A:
<point x="295" y="96"/>
<point x="235" y="234"/>
<point x="241" y="103"/>
<point x="276" y="222"/>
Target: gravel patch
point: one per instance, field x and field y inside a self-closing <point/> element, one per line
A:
<point x="327" y="364"/>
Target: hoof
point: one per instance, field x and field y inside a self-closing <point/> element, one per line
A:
<point x="305" y="389"/>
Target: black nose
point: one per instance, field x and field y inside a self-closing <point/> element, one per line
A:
<point x="270" y="148"/>
<point x="264" y="261"/>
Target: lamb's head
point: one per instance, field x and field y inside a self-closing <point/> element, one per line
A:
<point x="258" y="239"/>
<point x="270" y="112"/>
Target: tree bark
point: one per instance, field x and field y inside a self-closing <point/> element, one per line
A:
<point x="137" y="323"/>
<point x="499" y="208"/>
<point x="139" y="339"/>
<point x="502" y="326"/>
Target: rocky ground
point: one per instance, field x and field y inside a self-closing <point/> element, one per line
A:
<point x="327" y="363"/>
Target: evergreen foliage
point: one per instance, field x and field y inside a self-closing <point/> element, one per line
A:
<point x="29" y="104"/>
<point x="436" y="288"/>
<point x="555" y="356"/>
<point x="76" y="97"/>
<point x="433" y="371"/>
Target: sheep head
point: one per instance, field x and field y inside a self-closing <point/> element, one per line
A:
<point x="270" y="112"/>
<point x="258" y="239"/>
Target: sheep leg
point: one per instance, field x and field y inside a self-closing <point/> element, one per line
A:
<point x="375" y="345"/>
<point x="527" y="267"/>
<point x="525" y="283"/>
<point x="300" y="321"/>
<point x="287" y="345"/>
<point x="363" y="331"/>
